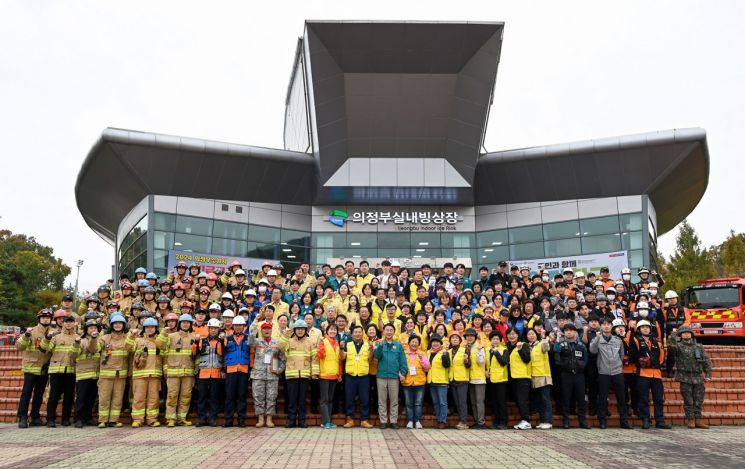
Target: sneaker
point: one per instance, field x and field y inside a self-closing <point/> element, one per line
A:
<point x="461" y="426"/>
<point x="331" y="425"/>
<point x="410" y="425"/>
<point x="393" y="426"/>
<point x="418" y="425"/>
<point x="349" y="423"/>
<point x="383" y="425"/>
<point x="544" y="426"/>
<point x="523" y="425"/>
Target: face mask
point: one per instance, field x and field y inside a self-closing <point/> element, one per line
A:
<point x="643" y="313"/>
<point x="626" y="277"/>
<point x="351" y="283"/>
<point x="611" y="297"/>
<point x="653" y="291"/>
<point x="545" y="278"/>
<point x="262" y="289"/>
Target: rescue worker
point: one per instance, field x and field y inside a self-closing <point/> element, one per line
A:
<point x="177" y="274"/>
<point x="302" y="365"/>
<point x="237" y="363"/>
<point x="87" y="367"/>
<point x="146" y="376"/>
<point x="210" y="352"/>
<point x="34" y="365"/>
<point x="148" y="299"/>
<point x="674" y="319"/>
<point x="268" y="365"/>
<point x="692" y="370"/>
<point x="63" y="346"/>
<point x="180" y="351"/>
<point x="572" y="356"/>
<point x="647" y="353"/>
<point x="115" y="349"/>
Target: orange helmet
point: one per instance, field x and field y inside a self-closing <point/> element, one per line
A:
<point x="235" y="264"/>
<point x="204" y="290"/>
<point x="188" y="280"/>
<point x="171" y="317"/>
<point x="186" y="304"/>
<point x="60" y="313"/>
<point x="212" y="276"/>
<point x="179" y="286"/>
<point x="126" y="285"/>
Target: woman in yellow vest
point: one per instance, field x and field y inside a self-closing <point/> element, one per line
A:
<point x="476" y="360"/>
<point x="459" y="379"/>
<point x="414" y="382"/>
<point x="329" y="360"/>
<point x="407" y="333"/>
<point x="438" y="378"/>
<point x="498" y="373"/>
<point x="357" y="358"/>
<point x="519" y="353"/>
<point x="540" y="370"/>
<point x="442" y="331"/>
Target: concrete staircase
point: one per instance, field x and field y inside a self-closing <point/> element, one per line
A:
<point x="725" y="395"/>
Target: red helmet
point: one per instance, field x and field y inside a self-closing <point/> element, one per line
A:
<point x="60" y="313"/>
<point x="181" y="264"/>
<point x="111" y="303"/>
<point x="171" y="317"/>
<point x="188" y="280"/>
<point x="186" y="304"/>
<point x="179" y="286"/>
<point x="205" y="290"/>
<point x="44" y="312"/>
<point x="212" y="276"/>
<point x="235" y="264"/>
<point x="126" y="285"/>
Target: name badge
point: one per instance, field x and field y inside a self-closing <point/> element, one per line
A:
<point x="578" y="353"/>
<point x="267" y="358"/>
<point x="412" y="370"/>
<point x="357" y="357"/>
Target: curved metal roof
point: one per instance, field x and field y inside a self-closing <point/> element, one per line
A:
<point x="672" y="167"/>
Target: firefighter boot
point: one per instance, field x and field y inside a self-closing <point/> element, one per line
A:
<point x="700" y="424"/>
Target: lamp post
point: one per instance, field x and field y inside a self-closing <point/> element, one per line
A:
<point x="77" y="277"/>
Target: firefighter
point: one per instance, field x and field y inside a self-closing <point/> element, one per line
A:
<point x="180" y="351"/>
<point x="87" y="368"/>
<point x="148" y="299"/>
<point x="302" y="365"/>
<point x="34" y="364"/>
<point x="674" y="319"/>
<point x="115" y="349"/>
<point x="647" y="353"/>
<point x="146" y="375"/>
<point x="692" y="370"/>
<point x="64" y="346"/>
<point x="210" y="352"/>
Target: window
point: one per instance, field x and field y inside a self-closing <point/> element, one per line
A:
<point x="631" y="240"/>
<point x="224" y="207"/>
<point x="603" y="243"/>
<point x="163" y="240"/>
<point x="165" y="222"/>
<point x="193" y="225"/>
<point x="599" y="226"/>
<point x="425" y="252"/>
<point x="490" y="256"/>
<point x="562" y="230"/>
<point x="262" y="251"/>
<point x="187" y="242"/>
<point x="458" y="240"/>
<point x="526" y="234"/>
<point x="228" y="229"/>
<point x="138" y="230"/>
<point x="395" y="253"/>
<point x="563" y="247"/>
<point x="526" y="251"/>
<point x="264" y="234"/>
<point x="228" y="247"/>
<point x="636" y="259"/>
<point x="631" y="222"/>
<point x="425" y="240"/>
<point x="160" y="260"/>
<point x="491" y="238"/>
<point x="459" y="252"/>
<point x="238" y="209"/>
<point x="293" y="253"/>
<point x="295" y="238"/>
<point x="393" y="240"/>
<point x="329" y="240"/>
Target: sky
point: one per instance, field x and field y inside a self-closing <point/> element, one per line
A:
<point x="569" y="71"/>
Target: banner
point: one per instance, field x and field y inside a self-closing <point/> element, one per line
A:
<point x="614" y="261"/>
<point x="210" y="262"/>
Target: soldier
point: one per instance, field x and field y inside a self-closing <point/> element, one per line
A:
<point x="64" y="346"/>
<point x="35" y="363"/>
<point x="146" y="376"/>
<point x="692" y="370"/>
<point x="86" y="372"/>
<point x="269" y="363"/>
<point x="181" y="349"/>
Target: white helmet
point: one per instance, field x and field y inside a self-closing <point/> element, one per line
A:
<point x="643" y="322"/>
<point x="215" y="307"/>
<point x="670" y="294"/>
<point x="239" y="321"/>
<point x="250" y="292"/>
<point x="228" y="313"/>
<point x="271" y="272"/>
<point x="240" y="272"/>
<point x="618" y="322"/>
<point x="568" y="270"/>
<point x="625" y="270"/>
<point x="395" y="264"/>
<point x="227" y="296"/>
<point x="213" y="323"/>
<point x="652" y="285"/>
<point x="642" y="305"/>
<point x="598" y="283"/>
<point x="580" y="274"/>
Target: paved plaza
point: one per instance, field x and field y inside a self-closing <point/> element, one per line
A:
<point x="339" y="448"/>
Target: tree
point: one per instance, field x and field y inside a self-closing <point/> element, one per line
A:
<point x="732" y="255"/>
<point x="31" y="278"/>
<point x="691" y="261"/>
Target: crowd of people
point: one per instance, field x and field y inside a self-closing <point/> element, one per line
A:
<point x="356" y="339"/>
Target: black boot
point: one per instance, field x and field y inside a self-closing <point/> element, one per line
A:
<point x="645" y="424"/>
<point x="36" y="422"/>
<point x="290" y="424"/>
<point x="662" y="425"/>
<point x="23" y="422"/>
<point x="565" y="424"/>
<point x="627" y="425"/>
<point x="584" y="424"/>
<point x="78" y="424"/>
<point x="603" y="424"/>
<point x="241" y="423"/>
<point x="302" y="424"/>
<point x="51" y="424"/>
<point x="228" y="423"/>
<point x="65" y="422"/>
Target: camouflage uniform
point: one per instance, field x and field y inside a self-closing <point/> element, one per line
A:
<point x="265" y="377"/>
<point x="691" y="363"/>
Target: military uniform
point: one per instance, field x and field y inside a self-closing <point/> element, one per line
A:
<point x="265" y="375"/>
<point x="691" y="364"/>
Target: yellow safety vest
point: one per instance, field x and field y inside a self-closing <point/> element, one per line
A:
<point x="497" y="372"/>
<point x="458" y="370"/>
<point x="539" y="364"/>
<point x="330" y="362"/>
<point x="437" y="373"/>
<point x="518" y="368"/>
<point x="357" y="363"/>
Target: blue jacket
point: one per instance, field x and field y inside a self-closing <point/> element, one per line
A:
<point x="391" y="359"/>
<point x="235" y="353"/>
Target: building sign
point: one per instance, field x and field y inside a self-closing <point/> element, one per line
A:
<point x="210" y="262"/>
<point x="403" y="221"/>
<point x="614" y="261"/>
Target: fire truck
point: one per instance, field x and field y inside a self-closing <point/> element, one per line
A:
<point x="715" y="308"/>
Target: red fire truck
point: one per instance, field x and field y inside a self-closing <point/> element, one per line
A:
<point x="716" y="308"/>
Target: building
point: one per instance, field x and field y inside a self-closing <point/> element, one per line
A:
<point x="383" y="136"/>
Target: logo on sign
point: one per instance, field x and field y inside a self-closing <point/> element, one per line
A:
<point x="338" y="217"/>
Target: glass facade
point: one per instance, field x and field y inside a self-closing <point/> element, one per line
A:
<point x="133" y="248"/>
